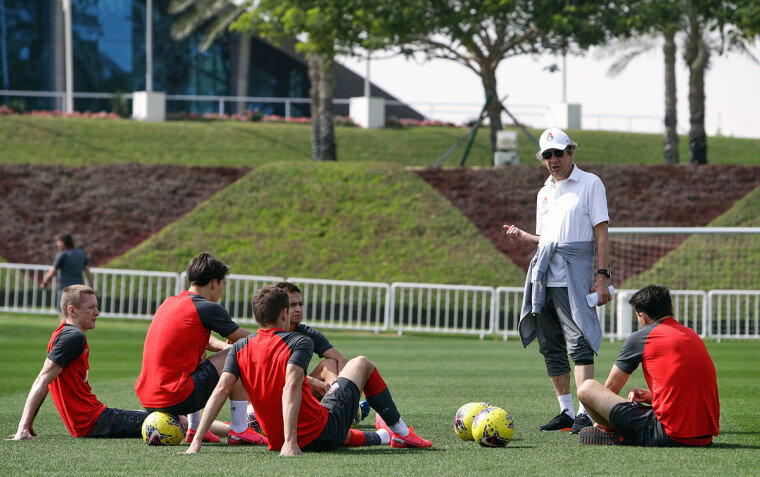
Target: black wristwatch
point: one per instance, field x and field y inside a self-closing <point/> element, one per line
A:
<point x="604" y="271"/>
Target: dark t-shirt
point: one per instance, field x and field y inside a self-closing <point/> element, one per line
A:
<point x="320" y="340"/>
<point x="260" y="361"/>
<point x="174" y="346"/>
<point x="78" y="407"/>
<point x="681" y="375"/>
<point x="70" y="263"/>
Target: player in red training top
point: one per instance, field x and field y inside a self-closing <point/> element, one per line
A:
<point x="272" y="367"/>
<point x="683" y="389"/>
<point x="176" y="378"/>
<point x="65" y="374"/>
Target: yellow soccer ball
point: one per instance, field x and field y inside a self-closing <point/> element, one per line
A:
<point x="464" y="416"/>
<point x="493" y="427"/>
<point x="162" y="429"/>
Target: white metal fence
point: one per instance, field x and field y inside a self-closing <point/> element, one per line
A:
<point x="441" y="308"/>
<point x="402" y="307"/>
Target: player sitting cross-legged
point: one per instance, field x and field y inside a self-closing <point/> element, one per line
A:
<point x="175" y="377"/>
<point x="272" y="367"/>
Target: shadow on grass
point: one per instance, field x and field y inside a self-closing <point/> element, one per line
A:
<point x="725" y="445"/>
<point x="740" y="433"/>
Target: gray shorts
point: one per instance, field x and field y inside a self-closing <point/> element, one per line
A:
<point x="118" y="423"/>
<point x="639" y="423"/>
<point x="204" y="378"/>
<point x="341" y="404"/>
<point x="558" y="335"/>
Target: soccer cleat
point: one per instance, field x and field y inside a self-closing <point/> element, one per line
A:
<point x="597" y="436"/>
<point x="380" y="424"/>
<point x="581" y="421"/>
<point x="410" y="440"/>
<point x="561" y="422"/>
<point x="247" y="437"/>
<point x="209" y="437"/>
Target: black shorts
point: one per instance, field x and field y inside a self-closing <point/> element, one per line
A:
<point x="341" y="402"/>
<point x="118" y="423"/>
<point x="205" y="377"/>
<point x="639" y="423"/>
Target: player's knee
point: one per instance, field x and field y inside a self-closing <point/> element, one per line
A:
<point x="363" y="362"/>
<point x="586" y="390"/>
<point x="330" y="365"/>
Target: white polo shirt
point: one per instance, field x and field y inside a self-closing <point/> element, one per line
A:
<point x="567" y="211"/>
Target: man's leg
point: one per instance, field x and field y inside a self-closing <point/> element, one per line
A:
<point x="365" y="375"/>
<point x="115" y="423"/>
<point x="599" y="401"/>
<point x="326" y="370"/>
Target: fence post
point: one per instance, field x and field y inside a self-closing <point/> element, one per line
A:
<point x="624" y="310"/>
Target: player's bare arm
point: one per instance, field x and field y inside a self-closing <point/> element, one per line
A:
<point x="222" y="390"/>
<point x="291" y="404"/>
<point x="50" y="370"/>
<point x="318" y="387"/>
<point x="640" y="395"/>
<point x="333" y="353"/>
<point x="516" y="234"/>
<point x="602" y="282"/>
<point x="238" y="334"/>
<point x="215" y="344"/>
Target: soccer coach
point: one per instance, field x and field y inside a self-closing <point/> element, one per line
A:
<point x="571" y="231"/>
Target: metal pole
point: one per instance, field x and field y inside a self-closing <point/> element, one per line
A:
<point x="564" y="77"/>
<point x="366" y="77"/>
<point x="68" y="55"/>
<point x="148" y="45"/>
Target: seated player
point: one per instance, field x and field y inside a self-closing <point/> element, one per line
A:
<point x="175" y="377"/>
<point x="326" y="372"/>
<point x="683" y="390"/>
<point x="65" y="374"/>
<point x="272" y="367"/>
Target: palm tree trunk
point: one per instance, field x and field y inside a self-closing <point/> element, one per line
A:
<point x="313" y="63"/>
<point x="670" y="139"/>
<point x="326" y="115"/>
<point x="697" y="57"/>
<point x="494" y="106"/>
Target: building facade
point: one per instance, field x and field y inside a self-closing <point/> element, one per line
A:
<point x="109" y="57"/>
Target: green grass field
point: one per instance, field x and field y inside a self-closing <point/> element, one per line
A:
<point x="429" y="376"/>
<point x="80" y="142"/>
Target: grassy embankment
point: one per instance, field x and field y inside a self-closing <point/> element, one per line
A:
<point x="363" y="218"/>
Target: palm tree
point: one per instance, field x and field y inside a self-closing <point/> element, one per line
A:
<point x="631" y="48"/>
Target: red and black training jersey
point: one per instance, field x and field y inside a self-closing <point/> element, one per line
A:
<point x="681" y="375"/>
<point x="78" y="406"/>
<point x="260" y="362"/>
<point x="321" y="344"/>
<point x="174" y="346"/>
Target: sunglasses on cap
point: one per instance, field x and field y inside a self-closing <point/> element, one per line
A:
<point x="548" y="154"/>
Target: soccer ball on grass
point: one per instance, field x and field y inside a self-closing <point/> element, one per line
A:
<point x="162" y="429"/>
<point x="493" y="427"/>
<point x="464" y="416"/>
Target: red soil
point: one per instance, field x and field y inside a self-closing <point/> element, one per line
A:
<point x="107" y="209"/>
<point x="637" y="195"/>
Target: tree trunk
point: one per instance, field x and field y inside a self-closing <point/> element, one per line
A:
<point x="670" y="140"/>
<point x="494" y="106"/>
<point x="696" y="57"/>
<point x="314" y="67"/>
<point x="326" y="115"/>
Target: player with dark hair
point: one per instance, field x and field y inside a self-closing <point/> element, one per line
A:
<point x="65" y="374"/>
<point x="683" y="389"/>
<point x="272" y="367"/>
<point x="326" y="372"/>
<point x="175" y="377"/>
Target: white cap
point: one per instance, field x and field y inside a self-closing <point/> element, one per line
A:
<point x="553" y="138"/>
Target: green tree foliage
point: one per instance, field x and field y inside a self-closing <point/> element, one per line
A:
<point x="480" y="34"/>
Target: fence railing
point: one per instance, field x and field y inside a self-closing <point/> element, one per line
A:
<point x="372" y="306"/>
<point x="442" y="308"/>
